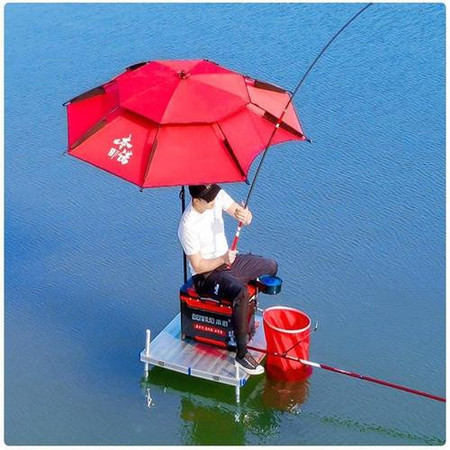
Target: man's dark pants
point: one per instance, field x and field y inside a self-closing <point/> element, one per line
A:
<point x="231" y="284"/>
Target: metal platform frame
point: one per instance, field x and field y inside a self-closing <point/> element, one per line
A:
<point x="199" y="360"/>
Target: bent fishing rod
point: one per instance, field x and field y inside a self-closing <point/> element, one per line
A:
<point x="280" y="119"/>
<point x="352" y="374"/>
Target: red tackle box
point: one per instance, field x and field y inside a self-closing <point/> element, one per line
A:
<point x="208" y="320"/>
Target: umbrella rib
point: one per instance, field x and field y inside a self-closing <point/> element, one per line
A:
<point x="99" y="90"/>
<point x="136" y="66"/>
<point x="267" y="115"/>
<point x="150" y="158"/>
<point x="268" y="87"/>
<point x="228" y="147"/>
<point x="97" y="126"/>
<point x="273" y="119"/>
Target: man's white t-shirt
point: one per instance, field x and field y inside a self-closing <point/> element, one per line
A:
<point x="205" y="232"/>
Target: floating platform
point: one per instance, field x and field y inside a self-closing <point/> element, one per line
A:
<point x="197" y="359"/>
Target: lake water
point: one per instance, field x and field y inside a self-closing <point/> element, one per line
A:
<point x="356" y="221"/>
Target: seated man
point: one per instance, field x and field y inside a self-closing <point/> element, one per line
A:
<point x="219" y="272"/>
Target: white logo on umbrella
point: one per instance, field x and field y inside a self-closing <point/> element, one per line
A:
<point x="121" y="154"/>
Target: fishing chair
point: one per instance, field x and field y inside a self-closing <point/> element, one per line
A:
<point x="209" y="320"/>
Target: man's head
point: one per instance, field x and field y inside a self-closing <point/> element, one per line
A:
<point x="203" y="196"/>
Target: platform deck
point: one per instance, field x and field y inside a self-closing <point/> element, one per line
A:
<point x="200" y="360"/>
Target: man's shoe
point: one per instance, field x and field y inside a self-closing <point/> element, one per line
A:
<point x="249" y="365"/>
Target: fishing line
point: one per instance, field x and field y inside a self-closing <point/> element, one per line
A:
<point x="277" y="125"/>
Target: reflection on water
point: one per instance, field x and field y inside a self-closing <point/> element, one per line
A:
<point x="286" y="396"/>
<point x="206" y="423"/>
<point x="210" y="415"/>
<point x="150" y="401"/>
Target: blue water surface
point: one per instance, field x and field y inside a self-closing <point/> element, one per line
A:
<point x="356" y="221"/>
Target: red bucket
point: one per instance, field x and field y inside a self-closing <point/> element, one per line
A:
<point x="287" y="330"/>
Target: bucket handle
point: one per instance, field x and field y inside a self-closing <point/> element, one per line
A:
<point x="309" y="334"/>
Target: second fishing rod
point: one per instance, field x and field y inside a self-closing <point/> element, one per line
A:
<point x="280" y="119"/>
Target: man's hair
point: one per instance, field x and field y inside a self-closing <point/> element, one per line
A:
<point x="207" y="192"/>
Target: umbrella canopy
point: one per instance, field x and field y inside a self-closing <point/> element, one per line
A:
<point x="169" y="123"/>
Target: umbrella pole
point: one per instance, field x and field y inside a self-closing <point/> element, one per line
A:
<point x="183" y="207"/>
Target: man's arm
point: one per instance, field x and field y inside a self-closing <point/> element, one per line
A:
<point x="240" y="213"/>
<point x="201" y="265"/>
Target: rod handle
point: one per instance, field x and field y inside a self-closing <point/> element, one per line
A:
<point x="236" y="237"/>
<point x="235" y="240"/>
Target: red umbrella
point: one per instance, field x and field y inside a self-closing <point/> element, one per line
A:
<point x="169" y="123"/>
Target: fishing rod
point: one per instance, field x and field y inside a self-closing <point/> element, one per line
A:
<point x="352" y="374"/>
<point x="279" y="121"/>
<point x="236" y="240"/>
